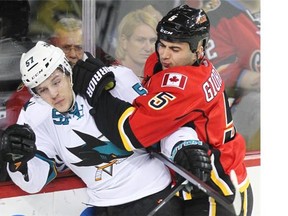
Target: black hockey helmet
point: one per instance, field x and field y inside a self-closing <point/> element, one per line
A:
<point x="185" y="24"/>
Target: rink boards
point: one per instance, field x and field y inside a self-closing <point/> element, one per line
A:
<point x="66" y="195"/>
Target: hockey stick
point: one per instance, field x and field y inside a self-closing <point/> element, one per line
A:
<point x="234" y="207"/>
<point x="175" y="189"/>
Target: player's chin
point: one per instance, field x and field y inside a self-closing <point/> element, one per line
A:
<point x="62" y="106"/>
<point x="165" y="65"/>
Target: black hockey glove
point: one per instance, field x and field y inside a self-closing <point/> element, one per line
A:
<point x="193" y="156"/>
<point x="17" y="146"/>
<point x="90" y="78"/>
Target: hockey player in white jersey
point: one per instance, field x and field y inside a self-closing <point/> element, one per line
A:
<point x="55" y="128"/>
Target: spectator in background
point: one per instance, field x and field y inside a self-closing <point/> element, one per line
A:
<point x="136" y="38"/>
<point x="68" y="36"/>
<point x="152" y="11"/>
<point x="234" y="49"/>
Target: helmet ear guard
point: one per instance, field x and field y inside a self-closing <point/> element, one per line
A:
<point x="194" y="41"/>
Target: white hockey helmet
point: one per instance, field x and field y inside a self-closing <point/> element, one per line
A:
<point x="40" y="62"/>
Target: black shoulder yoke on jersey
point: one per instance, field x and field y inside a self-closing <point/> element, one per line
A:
<point x="107" y="113"/>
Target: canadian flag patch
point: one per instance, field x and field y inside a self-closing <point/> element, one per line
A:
<point x="174" y="80"/>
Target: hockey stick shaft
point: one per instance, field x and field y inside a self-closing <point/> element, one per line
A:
<point x="174" y="190"/>
<point x="234" y="207"/>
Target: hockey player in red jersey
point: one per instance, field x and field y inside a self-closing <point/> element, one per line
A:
<point x="184" y="89"/>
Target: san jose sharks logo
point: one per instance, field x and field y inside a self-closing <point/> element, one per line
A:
<point x="63" y="119"/>
<point x="101" y="154"/>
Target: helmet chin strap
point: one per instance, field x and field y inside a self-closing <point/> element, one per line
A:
<point x="198" y="60"/>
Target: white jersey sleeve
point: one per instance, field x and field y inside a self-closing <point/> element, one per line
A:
<point x="36" y="182"/>
<point x="182" y="134"/>
<point x="37" y="114"/>
<point x="128" y="86"/>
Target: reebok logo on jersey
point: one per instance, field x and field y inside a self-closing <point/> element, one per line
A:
<point x="174" y="80"/>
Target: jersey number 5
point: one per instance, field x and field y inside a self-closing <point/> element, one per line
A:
<point x="160" y="100"/>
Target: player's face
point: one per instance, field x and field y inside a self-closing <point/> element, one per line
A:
<point x="175" y="54"/>
<point x="57" y="91"/>
<point x="71" y="43"/>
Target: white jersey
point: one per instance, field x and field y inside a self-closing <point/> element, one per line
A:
<point x="113" y="176"/>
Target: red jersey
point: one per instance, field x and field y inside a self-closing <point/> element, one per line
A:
<point x="234" y="43"/>
<point x="186" y="94"/>
<point x="180" y="96"/>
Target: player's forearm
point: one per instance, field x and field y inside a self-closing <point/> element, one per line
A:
<point x="37" y="172"/>
<point x="111" y="115"/>
<point x="182" y="134"/>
